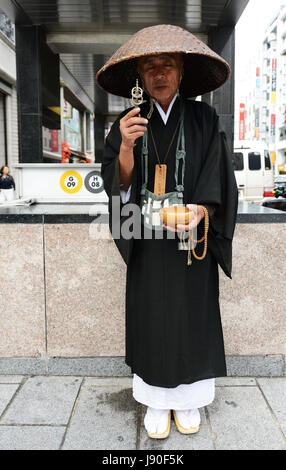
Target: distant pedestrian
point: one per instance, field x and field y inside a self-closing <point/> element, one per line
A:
<point x="7" y="184"/>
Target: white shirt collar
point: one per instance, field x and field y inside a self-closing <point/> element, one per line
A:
<point x="164" y="115"/>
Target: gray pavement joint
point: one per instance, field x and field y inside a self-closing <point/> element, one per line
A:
<point x="275" y="419"/>
<point x="13" y="398"/>
<point x="212" y="434"/>
<point x="73" y="410"/>
<point x="139" y="422"/>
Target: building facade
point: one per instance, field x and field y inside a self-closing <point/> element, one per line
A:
<point x="261" y="104"/>
<point x="8" y="94"/>
<point x="75" y="113"/>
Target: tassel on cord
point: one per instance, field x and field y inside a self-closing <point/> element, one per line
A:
<point x="151" y="108"/>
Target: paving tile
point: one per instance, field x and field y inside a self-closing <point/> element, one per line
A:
<point x="31" y="437"/>
<point x="110" y="381"/>
<point x="105" y="415"/>
<point x="241" y="420"/>
<point x="11" y="379"/>
<point x="6" y="393"/>
<point x="275" y="393"/>
<point x="44" y="400"/>
<point x="234" y="381"/>
<point x="177" y="441"/>
<point x="105" y="418"/>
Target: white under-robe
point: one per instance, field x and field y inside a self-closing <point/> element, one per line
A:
<point x="184" y="396"/>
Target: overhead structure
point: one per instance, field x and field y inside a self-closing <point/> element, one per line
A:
<point x="79" y="35"/>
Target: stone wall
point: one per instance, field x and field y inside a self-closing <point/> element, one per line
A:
<point x="62" y="296"/>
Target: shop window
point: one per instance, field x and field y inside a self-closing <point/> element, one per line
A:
<point x="72" y="126"/>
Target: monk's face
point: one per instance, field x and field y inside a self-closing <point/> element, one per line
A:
<point x="161" y="75"/>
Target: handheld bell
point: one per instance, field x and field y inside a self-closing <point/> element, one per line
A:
<point x="136" y="95"/>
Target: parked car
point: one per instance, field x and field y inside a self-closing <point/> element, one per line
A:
<point x="254" y="172"/>
<point x="278" y="199"/>
<point x="280" y="186"/>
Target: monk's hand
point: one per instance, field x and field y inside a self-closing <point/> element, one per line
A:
<point x="132" y="127"/>
<point x="198" y="216"/>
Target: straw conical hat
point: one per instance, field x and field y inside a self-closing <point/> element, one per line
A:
<point x="204" y="70"/>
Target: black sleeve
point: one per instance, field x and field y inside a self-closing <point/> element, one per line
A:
<point x="111" y="182"/>
<point x="110" y="163"/>
<point x="110" y="159"/>
<point x="217" y="187"/>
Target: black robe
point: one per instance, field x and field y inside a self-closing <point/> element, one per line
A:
<point x="173" y="324"/>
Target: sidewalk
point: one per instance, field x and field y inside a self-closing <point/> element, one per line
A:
<point x="85" y="413"/>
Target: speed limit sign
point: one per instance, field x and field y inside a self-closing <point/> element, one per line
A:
<point x="71" y="181"/>
<point x="94" y="182"/>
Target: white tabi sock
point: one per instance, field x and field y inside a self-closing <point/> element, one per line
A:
<point x="156" y="420"/>
<point x="189" y="418"/>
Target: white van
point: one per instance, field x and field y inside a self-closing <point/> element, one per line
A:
<point x="254" y="172"/>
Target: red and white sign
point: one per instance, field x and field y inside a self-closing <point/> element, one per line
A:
<point x="55" y="140"/>
<point x="242" y="121"/>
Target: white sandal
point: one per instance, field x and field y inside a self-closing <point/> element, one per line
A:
<point x="153" y="418"/>
<point x="187" y="421"/>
